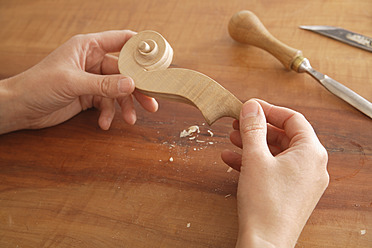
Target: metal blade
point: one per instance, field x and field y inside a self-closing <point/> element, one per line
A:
<point x="338" y="89"/>
<point x="346" y="36"/>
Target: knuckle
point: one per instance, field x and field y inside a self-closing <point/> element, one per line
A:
<point x="252" y="128"/>
<point x="324" y="155"/>
<point x="105" y="86"/>
<point x="326" y="179"/>
<point x="322" y="160"/>
<point x="316" y="152"/>
<point x="77" y="38"/>
<point x="298" y="115"/>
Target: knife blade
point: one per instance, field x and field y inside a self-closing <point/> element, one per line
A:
<point x="343" y="35"/>
<point x="337" y="88"/>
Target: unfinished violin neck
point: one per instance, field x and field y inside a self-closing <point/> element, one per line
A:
<point x="146" y="58"/>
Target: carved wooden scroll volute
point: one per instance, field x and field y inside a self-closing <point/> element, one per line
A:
<point x="146" y="57"/>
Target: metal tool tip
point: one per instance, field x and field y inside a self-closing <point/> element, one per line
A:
<point x="317" y="27"/>
<point x="305" y="27"/>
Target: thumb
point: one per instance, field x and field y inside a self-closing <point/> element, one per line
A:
<point x="110" y="86"/>
<point x="253" y="128"/>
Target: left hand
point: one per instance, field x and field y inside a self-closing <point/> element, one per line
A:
<point x="78" y="75"/>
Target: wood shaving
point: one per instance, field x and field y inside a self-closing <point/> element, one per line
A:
<point x="184" y="133"/>
<point x="210" y="132"/>
<point x="190" y="131"/>
<point x="228" y="195"/>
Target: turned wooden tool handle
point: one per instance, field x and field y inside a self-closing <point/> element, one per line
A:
<point x="245" y="27"/>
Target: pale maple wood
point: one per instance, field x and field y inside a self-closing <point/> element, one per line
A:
<point x="146" y="57"/>
<point x="245" y="27"/>
<point x="74" y="185"/>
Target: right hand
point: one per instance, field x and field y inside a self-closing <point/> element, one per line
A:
<point x="283" y="174"/>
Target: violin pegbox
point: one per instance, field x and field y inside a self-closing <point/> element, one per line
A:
<point x="145" y="58"/>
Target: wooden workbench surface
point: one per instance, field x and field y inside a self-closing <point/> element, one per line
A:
<point x="74" y="185"/>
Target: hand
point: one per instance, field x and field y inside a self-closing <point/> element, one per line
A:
<point x="74" y="77"/>
<point x="282" y="174"/>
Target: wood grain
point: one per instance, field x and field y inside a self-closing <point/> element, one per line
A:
<point x="146" y="57"/>
<point x="74" y="185"/>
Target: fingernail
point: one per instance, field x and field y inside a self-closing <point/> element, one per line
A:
<point x="155" y="105"/>
<point x="105" y="124"/>
<point x="126" y="85"/>
<point x="250" y="109"/>
<point x="132" y="118"/>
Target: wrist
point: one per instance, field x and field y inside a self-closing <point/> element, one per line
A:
<point x="252" y="240"/>
<point x="11" y="118"/>
<point x="266" y="236"/>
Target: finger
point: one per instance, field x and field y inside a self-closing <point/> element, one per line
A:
<point x="277" y="137"/>
<point x="107" y="108"/>
<point x="232" y="159"/>
<point x="109" y="65"/>
<point x="293" y="123"/>
<point x="236" y="138"/>
<point x="236" y="124"/>
<point x="127" y="109"/>
<point x="109" y="86"/>
<point x="111" y="41"/>
<point x="275" y="150"/>
<point x="253" y="130"/>
<point x="148" y="103"/>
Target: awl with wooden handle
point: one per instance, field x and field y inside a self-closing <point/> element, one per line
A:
<point x="245" y="27"/>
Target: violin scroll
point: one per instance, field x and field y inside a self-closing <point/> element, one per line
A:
<point x="145" y="58"/>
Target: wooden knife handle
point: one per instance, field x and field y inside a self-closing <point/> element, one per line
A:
<point x="245" y="27"/>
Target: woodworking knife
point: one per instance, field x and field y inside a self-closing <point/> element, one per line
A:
<point x="245" y="27"/>
<point x="343" y="35"/>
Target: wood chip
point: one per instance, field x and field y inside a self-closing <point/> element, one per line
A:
<point x="210" y="132"/>
<point x="190" y="131"/>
